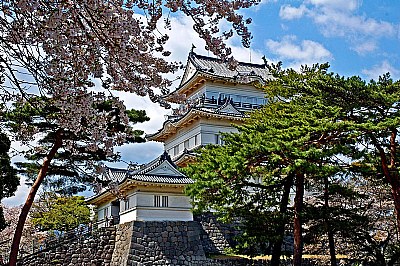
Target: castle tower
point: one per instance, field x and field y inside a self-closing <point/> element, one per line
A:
<point x="212" y="98"/>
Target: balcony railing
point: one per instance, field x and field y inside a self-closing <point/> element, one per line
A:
<point x="211" y="103"/>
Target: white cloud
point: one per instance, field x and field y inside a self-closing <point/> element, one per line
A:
<point x="365" y="47"/>
<point x="298" y="53"/>
<point x="289" y="12"/>
<point x="263" y="2"/>
<point x="348" y="5"/>
<point x="339" y="18"/>
<point x="19" y="197"/>
<point x="336" y="23"/>
<point x="380" y="69"/>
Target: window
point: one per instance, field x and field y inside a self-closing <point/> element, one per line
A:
<point x="176" y="150"/>
<point x="210" y="94"/>
<point x="219" y="139"/>
<point x="126" y="204"/>
<point x="160" y="201"/>
<point x="165" y="201"/>
<point x="186" y="144"/>
<point x="197" y="140"/>
<point x="106" y="212"/>
<point x="261" y="101"/>
<point x="100" y="214"/>
<point x="157" y="201"/>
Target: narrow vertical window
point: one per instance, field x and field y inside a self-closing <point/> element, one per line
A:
<point x="176" y="150"/>
<point x="186" y="144"/>
<point x="126" y="204"/>
<point x="165" y="201"/>
<point x="217" y="139"/>
<point x="157" y="201"/>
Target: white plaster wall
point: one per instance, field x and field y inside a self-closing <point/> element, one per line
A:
<point x="207" y="134"/>
<point x="101" y="209"/>
<point x="156" y="214"/>
<point x="242" y="90"/>
<point x="146" y="199"/>
<point x="239" y="89"/>
<point x="187" y="133"/>
<point x="179" y="202"/>
<point x="164" y="214"/>
<point x="179" y="208"/>
<point x="128" y="216"/>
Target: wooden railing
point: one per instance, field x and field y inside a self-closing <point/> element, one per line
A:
<point x="210" y="102"/>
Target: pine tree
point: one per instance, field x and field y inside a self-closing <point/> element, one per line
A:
<point x="9" y="181"/>
<point x="316" y="126"/>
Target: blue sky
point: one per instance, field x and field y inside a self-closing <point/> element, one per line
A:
<point x="356" y="37"/>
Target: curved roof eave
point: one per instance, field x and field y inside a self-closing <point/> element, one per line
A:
<point x="194" y="111"/>
<point x="201" y="74"/>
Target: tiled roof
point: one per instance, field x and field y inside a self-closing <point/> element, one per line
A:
<point x="207" y="112"/>
<point x="162" y="179"/>
<point x="117" y="174"/>
<point x="200" y="69"/>
<point x="214" y="66"/>
<point x="145" y="173"/>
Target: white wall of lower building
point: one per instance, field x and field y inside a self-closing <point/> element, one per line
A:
<point x="156" y="214"/>
<point x="178" y="207"/>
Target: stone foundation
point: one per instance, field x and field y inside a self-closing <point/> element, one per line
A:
<point x="139" y="243"/>
<point x="91" y="250"/>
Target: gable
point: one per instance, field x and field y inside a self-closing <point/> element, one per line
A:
<point x="190" y="70"/>
<point x="229" y="109"/>
<point x="165" y="168"/>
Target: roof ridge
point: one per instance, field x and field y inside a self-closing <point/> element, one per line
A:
<point x="216" y="59"/>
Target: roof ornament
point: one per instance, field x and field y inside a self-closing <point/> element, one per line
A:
<point x="265" y="60"/>
<point x="193" y="47"/>
<point x="165" y="157"/>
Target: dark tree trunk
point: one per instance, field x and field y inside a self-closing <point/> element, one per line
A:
<point x="332" y="250"/>
<point x="297" y="228"/>
<point x="390" y="171"/>
<point x="31" y="196"/>
<point x="396" y="198"/>
<point x="277" y="247"/>
<point x="328" y="228"/>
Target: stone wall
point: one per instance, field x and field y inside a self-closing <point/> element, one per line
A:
<point x="216" y="237"/>
<point x="89" y="250"/>
<point x="123" y="238"/>
<point x="143" y="243"/>
<point x="173" y="243"/>
<point x="147" y="243"/>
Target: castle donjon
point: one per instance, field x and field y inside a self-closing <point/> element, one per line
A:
<point x="211" y="99"/>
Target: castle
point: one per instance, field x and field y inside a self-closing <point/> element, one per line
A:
<point x="211" y="98"/>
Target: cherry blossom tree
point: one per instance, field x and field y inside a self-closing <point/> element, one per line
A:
<point x="59" y="50"/>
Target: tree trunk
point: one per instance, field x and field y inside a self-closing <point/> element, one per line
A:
<point x="31" y="196"/>
<point x="332" y="250"/>
<point x="329" y="231"/>
<point x="277" y="247"/>
<point x="396" y="198"/>
<point x="297" y="230"/>
<point x="390" y="171"/>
